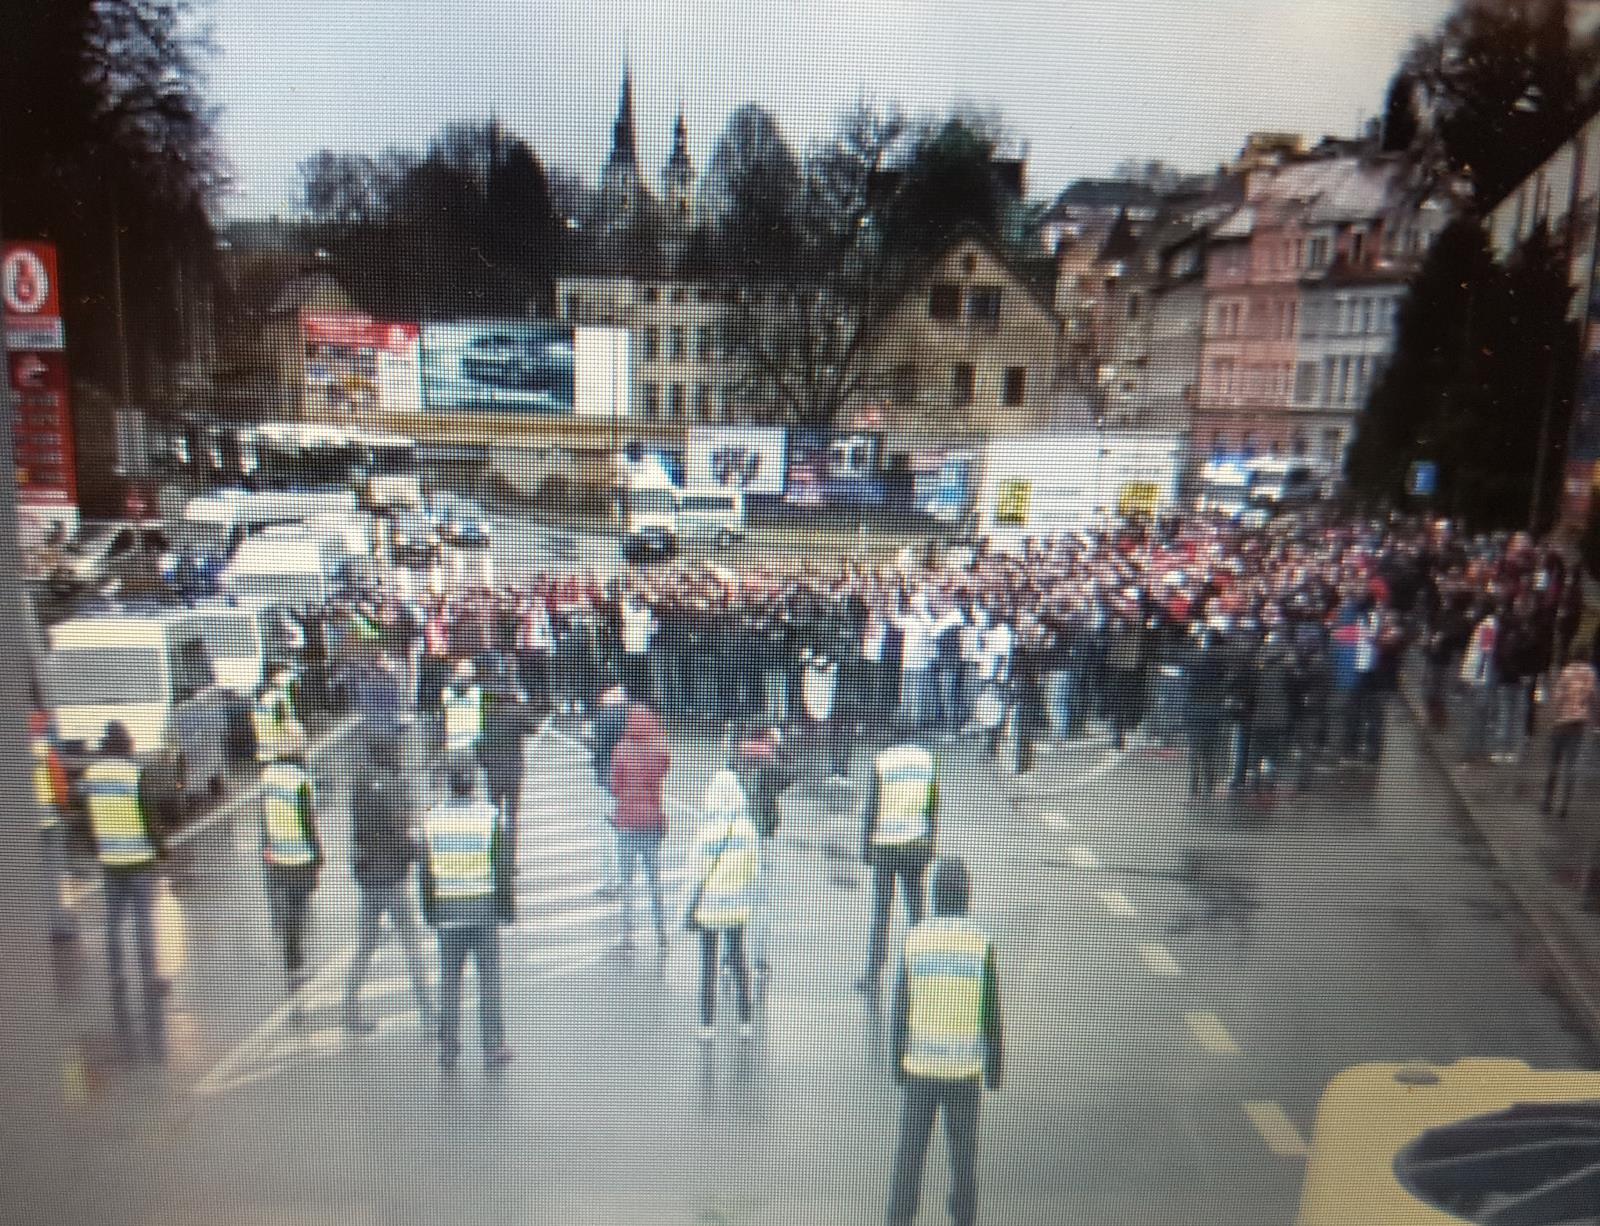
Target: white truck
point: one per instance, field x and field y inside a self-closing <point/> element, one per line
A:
<point x="1036" y="485"/>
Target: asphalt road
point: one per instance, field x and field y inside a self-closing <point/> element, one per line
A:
<point x="1179" y="983"/>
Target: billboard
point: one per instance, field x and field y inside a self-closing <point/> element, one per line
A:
<point x="835" y="468"/>
<point x="514" y="365"/>
<point x="357" y="366"/>
<point x="36" y="370"/>
<point x="748" y="458"/>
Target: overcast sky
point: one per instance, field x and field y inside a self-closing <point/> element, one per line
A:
<point x="1085" y="83"/>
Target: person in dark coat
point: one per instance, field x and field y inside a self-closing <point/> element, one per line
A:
<point x="507" y="718"/>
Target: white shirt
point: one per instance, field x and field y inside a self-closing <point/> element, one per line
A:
<point x="637" y="626"/>
<point x="996" y="651"/>
<point x="919" y="648"/>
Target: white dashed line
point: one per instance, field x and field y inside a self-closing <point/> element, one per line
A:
<point x="1211" y="1034"/>
<point x="1160" y="960"/>
<point x="1277" y="1130"/>
<point x="1116" y="902"/>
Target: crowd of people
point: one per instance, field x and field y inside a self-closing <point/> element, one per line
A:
<point x="1261" y="653"/>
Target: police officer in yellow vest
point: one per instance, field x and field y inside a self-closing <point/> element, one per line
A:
<point x="50" y="789"/>
<point x="129" y="846"/>
<point x="724" y="864"/>
<point x="946" y="1042"/>
<point x="462" y="703"/>
<point x="466" y="896"/>
<point x="897" y="840"/>
<point x="274" y="719"/>
<point x="291" y="854"/>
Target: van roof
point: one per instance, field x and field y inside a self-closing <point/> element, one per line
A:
<point x="273" y="556"/>
<point x="113" y="630"/>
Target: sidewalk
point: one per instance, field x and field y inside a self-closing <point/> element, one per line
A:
<point x="1534" y="855"/>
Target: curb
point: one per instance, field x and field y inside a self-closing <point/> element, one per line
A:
<point x="1576" y="976"/>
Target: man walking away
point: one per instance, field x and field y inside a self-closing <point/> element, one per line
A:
<point x="947" y="1042"/>
<point x="382" y="851"/>
<point x="291" y="857"/>
<point x="466" y="896"/>
<point x="507" y="718"/>
<point x="1572" y="714"/>
<point x="897" y="841"/>
<point x="638" y="775"/>
<point x="722" y="881"/>
<point x="129" y="846"/>
<point x="609" y="723"/>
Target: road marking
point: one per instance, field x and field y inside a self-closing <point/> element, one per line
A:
<point x="1116" y="902"/>
<point x="1211" y="1034"/>
<point x="251" y="794"/>
<point x="1056" y="820"/>
<point x="1083" y="856"/>
<point x="1277" y="1130"/>
<point x="1160" y="960"/>
<point x="585" y="889"/>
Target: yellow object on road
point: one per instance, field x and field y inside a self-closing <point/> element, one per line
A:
<point x="1394" y="1142"/>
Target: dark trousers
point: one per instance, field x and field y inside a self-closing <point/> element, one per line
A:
<point x="909" y="868"/>
<point x="482" y="943"/>
<point x="925" y="1098"/>
<point x="734" y="940"/>
<point x="1566" y="744"/>
<point x="533" y="673"/>
<point x="289" y="900"/>
<point x="503" y="782"/>
<point x="130" y="895"/>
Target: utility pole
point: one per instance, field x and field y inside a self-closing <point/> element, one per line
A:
<point x="120" y="304"/>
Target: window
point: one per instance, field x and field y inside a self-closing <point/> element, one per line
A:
<point x="702" y="401"/>
<point x="651" y="392"/>
<point x="1319" y="252"/>
<point x="649" y="345"/>
<point x="903" y="383"/>
<point x="651" y="293"/>
<point x="705" y="343"/>
<point x="944" y="303"/>
<point x="1135" y="306"/>
<point x="675" y="402"/>
<point x="1016" y="386"/>
<point x="574" y="307"/>
<point x="969" y="265"/>
<point x="728" y="398"/>
<point x="1305" y="383"/>
<point x="1358" y="247"/>
<point x="1343" y="324"/>
<point x="962" y="382"/>
<point x="675" y="349"/>
<point x="983" y="307"/>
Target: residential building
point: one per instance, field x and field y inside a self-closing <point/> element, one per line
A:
<point x="681" y="374"/>
<point x="974" y="345"/>
<point x="1303" y="282"/>
<point x="1562" y="195"/>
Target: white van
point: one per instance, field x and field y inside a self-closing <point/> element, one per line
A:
<point x="234" y="643"/>
<point x="153" y="674"/>
<point x="215" y="524"/>
<point x="711" y="513"/>
<point x="291" y="574"/>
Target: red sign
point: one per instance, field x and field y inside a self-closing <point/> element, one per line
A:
<point x="349" y="328"/>
<point x="36" y="369"/>
<point x="31" y="296"/>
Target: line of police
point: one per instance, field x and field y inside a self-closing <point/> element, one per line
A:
<point x="946" y="1018"/>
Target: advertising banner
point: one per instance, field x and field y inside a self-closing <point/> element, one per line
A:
<point x="497" y="366"/>
<point x="36" y="369"/>
<point x="835" y="469"/>
<point x="357" y="366"/>
<point x="748" y="458"/>
<point x="942" y="481"/>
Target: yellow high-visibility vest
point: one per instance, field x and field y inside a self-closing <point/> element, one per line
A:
<point x="460" y="841"/>
<point x="288" y="843"/>
<point x="274" y="722"/>
<point x="44" y="782"/>
<point x="729" y="851"/>
<point x="905" y="794"/>
<point x="463" y="718"/>
<point x="121" y="838"/>
<point x="944" y="959"/>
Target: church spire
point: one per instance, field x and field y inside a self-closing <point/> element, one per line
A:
<point x="677" y="176"/>
<point x="623" y="146"/>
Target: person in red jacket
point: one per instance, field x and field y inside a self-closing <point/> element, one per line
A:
<point x="638" y="774"/>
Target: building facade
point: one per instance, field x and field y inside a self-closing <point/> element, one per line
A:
<point x="1303" y="284"/>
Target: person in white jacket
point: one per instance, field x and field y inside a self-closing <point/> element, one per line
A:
<point x="724" y="867"/>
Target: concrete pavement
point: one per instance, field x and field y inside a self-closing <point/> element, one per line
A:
<point x="1179" y="983"/>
